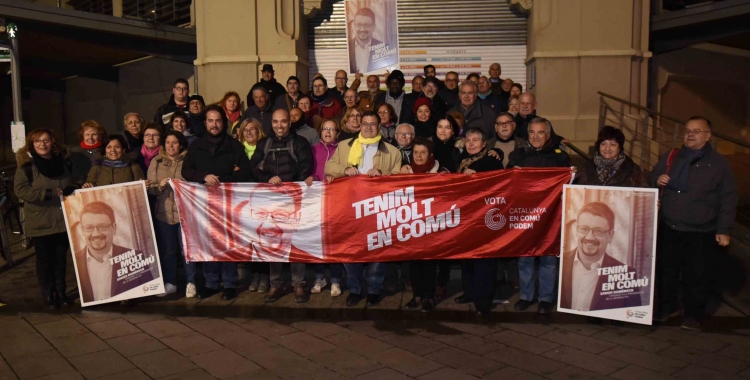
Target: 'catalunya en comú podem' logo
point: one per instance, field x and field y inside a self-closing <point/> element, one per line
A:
<point x="494" y="220"/>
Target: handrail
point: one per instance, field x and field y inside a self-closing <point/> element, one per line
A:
<point x="676" y="120"/>
<point x="578" y="151"/>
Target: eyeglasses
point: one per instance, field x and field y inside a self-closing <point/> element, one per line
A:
<point x="689" y="132"/>
<point x="45" y="142"/>
<point x="355" y="116"/>
<point x="382" y="112"/>
<point x="404" y="134"/>
<point x="151" y="136"/>
<point x="250" y="131"/>
<point x="181" y="89"/>
<point x="350" y="97"/>
<point x="103" y="228"/>
<point x="370" y="124"/>
<point x="585" y="231"/>
<point x="506" y="124"/>
<point x="362" y="25"/>
<point x="432" y="86"/>
<point x="329" y="129"/>
<point x="277" y="216"/>
<point x="319" y="86"/>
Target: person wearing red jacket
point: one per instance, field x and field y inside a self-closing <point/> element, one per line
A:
<point x="324" y="105"/>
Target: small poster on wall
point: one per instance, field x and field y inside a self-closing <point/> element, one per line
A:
<point x="372" y="35"/>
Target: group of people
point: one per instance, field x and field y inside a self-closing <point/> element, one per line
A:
<point x="484" y="123"/>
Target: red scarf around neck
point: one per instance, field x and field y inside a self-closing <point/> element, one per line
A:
<point x="86" y="146"/>
<point x="232" y="116"/>
<point x="417" y="169"/>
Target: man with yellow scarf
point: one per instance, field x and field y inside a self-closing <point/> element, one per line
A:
<point x="367" y="154"/>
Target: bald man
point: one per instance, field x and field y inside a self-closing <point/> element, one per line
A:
<point x="526" y="113"/>
<point x="341" y="79"/>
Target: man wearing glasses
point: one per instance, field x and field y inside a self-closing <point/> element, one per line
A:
<point x="178" y="102"/>
<point x="96" y="273"/>
<point x="581" y="284"/>
<point x="505" y="139"/>
<point x="360" y="47"/>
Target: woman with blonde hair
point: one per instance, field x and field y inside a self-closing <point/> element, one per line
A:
<point x="350" y="124"/>
<point x="249" y="133"/>
<point x="232" y="107"/>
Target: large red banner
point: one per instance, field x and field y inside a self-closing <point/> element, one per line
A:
<point x="505" y="213"/>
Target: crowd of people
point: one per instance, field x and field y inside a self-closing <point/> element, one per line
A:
<point x="482" y="123"/>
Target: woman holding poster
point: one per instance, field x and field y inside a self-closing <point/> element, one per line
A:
<point x="45" y="172"/>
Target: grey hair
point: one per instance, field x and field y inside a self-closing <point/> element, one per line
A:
<point x="129" y="114"/>
<point x="540" y="120"/>
<point x="263" y="90"/>
<point x="470" y="83"/>
<point x="411" y="127"/>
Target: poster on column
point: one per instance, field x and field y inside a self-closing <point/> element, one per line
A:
<point x="608" y="252"/>
<point x="361" y="219"/>
<point x="372" y="35"/>
<point x="113" y="244"/>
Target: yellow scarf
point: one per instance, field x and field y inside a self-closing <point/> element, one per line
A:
<point x="357" y="152"/>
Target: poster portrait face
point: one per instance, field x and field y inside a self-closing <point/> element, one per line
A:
<point x="594" y="234"/>
<point x="273" y="215"/>
<point x="98" y="231"/>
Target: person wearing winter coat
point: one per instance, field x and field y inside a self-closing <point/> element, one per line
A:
<point x="114" y="165"/>
<point x="178" y="102"/>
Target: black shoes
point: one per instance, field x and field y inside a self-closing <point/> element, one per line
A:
<point x="373" y="300"/>
<point x="462" y="299"/>
<point x="63" y="300"/>
<point x="353" y="299"/>
<point x="50" y="304"/>
<point x="413" y="304"/>
<point x="691" y="324"/>
<point x="228" y="294"/>
<point x="483" y="312"/>
<point x="522" y="305"/>
<point x="545" y="307"/>
<point x="663" y="317"/>
<point x="428" y="305"/>
<point x="273" y="295"/>
<point x="207" y="292"/>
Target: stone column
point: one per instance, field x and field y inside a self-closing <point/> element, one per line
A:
<point x="236" y="37"/>
<point x="579" y="47"/>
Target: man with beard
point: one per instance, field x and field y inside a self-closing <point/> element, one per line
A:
<point x="367" y="98"/>
<point x="476" y="114"/>
<point x="261" y="109"/>
<point x="395" y="96"/>
<point x="300" y="127"/>
<point x="581" y="283"/>
<point x="195" y="115"/>
<point x="431" y="72"/>
<point x="360" y="47"/>
<point x="449" y="93"/>
<point x="489" y="98"/>
<point x="273" y="88"/>
<point x="284" y="157"/>
<point x="324" y="105"/>
<point x="527" y="113"/>
<point x="543" y="153"/>
<point x="178" y="102"/>
<point x="211" y="160"/>
<point x="289" y="100"/>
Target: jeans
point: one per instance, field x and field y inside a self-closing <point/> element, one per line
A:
<point x="547" y="278"/>
<point x="479" y="277"/>
<point x="298" y="274"/>
<point x="336" y="271"/>
<point x="169" y="240"/>
<point x="688" y="254"/>
<point x="375" y="276"/>
<point x="212" y="270"/>
<point x="423" y="277"/>
<point x="51" y="260"/>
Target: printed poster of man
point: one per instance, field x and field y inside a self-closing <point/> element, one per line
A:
<point x="608" y="252"/>
<point x="372" y="35"/>
<point x="113" y="244"/>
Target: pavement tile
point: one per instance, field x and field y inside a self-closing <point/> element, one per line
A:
<point x="358" y="343"/>
<point x="39" y="318"/>
<point x="135" y="344"/>
<point x="224" y="363"/>
<point x="384" y="374"/>
<point x="61" y="328"/>
<point x="261" y="374"/>
<point x="477" y="329"/>
<point x="586" y="329"/>
<point x="585" y="360"/>
<point x="745" y="373"/>
<point x="98" y="364"/>
<point x="191" y="344"/>
<point x="16" y="326"/>
<point x="737" y="352"/>
<point x="318" y="329"/>
<point x="580" y="342"/>
<point x="695" y="372"/>
<point x="113" y="328"/>
<point x="512" y="373"/>
<point x="12" y="346"/>
<point x="575" y="373"/>
<point x="447" y="374"/>
<point x="632" y="340"/>
<point x="70" y="375"/>
<point x="187" y="321"/>
<point x="344" y="362"/>
<point x="7" y="375"/>
<point x="242" y="341"/>
<point x="196" y="374"/>
<point x="213" y="327"/>
<point x="138" y="318"/>
<point x="163" y="328"/>
<point x="523" y="359"/>
<point x="522" y="341"/>
<point x="282" y="361"/>
<point x="39" y="364"/>
<point x="93" y="316"/>
<point x="3" y="365"/>
<point x="466" y="342"/>
<point x="634" y="372"/>
<point x="644" y="359"/>
<point x="706" y="359"/>
<point x="133" y="374"/>
<point x="79" y="344"/>
<point x="407" y="363"/>
<point x="678" y="336"/>
<point x="533" y="329"/>
<point x="412" y="342"/>
<point x="304" y="344"/>
<point x="162" y="363"/>
<point x="266" y="328"/>
<point x="466" y="362"/>
<point x="734" y="337"/>
<point x="374" y="329"/>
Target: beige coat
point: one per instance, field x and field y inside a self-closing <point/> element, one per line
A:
<point x="165" y="209"/>
<point x="387" y="159"/>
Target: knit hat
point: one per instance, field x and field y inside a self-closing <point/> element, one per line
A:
<point x="293" y="78"/>
<point x="420" y="102"/>
<point x="197" y="97"/>
<point x="396" y="74"/>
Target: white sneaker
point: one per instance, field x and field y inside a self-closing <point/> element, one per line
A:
<point x="168" y="289"/>
<point x="318" y="286"/>
<point x="190" y="292"/>
<point x="335" y="290"/>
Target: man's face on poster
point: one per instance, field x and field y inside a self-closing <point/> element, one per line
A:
<point x="274" y="223"/>
<point x="363" y="27"/>
<point x="594" y="234"/>
<point x="98" y="231"/>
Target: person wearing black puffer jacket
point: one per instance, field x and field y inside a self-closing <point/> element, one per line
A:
<point x="178" y="102"/>
<point x="281" y="157"/>
<point x="213" y="159"/>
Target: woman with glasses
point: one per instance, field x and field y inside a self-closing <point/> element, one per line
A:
<point x="610" y="165"/>
<point x="45" y="171"/>
<point x="179" y="123"/>
<point x="151" y="145"/>
<point x="350" y="124"/>
<point x="388" y="120"/>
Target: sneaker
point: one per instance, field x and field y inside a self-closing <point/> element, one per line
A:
<point x="191" y="291"/>
<point x="522" y="305"/>
<point x="254" y="283"/>
<point x="335" y="290"/>
<point x="690" y="324"/>
<point x="318" y="286"/>
<point x="264" y="284"/>
<point x="168" y="289"/>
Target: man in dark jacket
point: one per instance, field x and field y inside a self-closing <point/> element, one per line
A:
<point x="211" y="160"/>
<point x="449" y="93"/>
<point x="196" y="118"/>
<point x="476" y="114"/>
<point x="273" y="88"/>
<point x="489" y="97"/>
<point x="289" y="99"/>
<point x="284" y="156"/>
<point x="396" y="97"/>
<point x="542" y="154"/>
<point x="698" y="206"/>
<point x="261" y="109"/>
<point x="527" y="113"/>
<point x="178" y="102"/>
<point x="430" y="91"/>
<point x="495" y="81"/>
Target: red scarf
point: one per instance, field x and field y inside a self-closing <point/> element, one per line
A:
<point x="148" y="155"/>
<point x="86" y="146"/>
<point x="425" y="168"/>
<point x="232" y="116"/>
